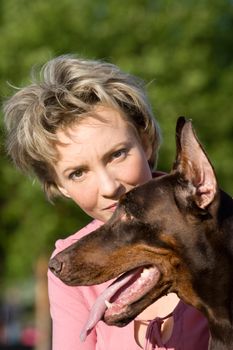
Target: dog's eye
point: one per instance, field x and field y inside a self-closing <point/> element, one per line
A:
<point x="204" y="214"/>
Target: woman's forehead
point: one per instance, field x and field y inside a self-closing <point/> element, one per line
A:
<point x="107" y="119"/>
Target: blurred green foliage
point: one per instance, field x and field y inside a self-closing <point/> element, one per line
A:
<point x="182" y="49"/>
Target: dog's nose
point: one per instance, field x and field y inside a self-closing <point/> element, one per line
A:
<point x="55" y="265"/>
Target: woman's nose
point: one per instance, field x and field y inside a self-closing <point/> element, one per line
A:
<point x="109" y="185"/>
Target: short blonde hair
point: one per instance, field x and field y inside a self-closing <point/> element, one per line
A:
<point x="69" y="88"/>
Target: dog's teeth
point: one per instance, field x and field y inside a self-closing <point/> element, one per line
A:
<point x="108" y="304"/>
<point x="145" y="273"/>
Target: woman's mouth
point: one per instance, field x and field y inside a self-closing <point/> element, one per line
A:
<point x="111" y="207"/>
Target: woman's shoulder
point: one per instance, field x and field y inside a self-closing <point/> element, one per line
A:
<point x="66" y="242"/>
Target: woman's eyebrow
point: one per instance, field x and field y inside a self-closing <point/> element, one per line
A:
<point x="116" y="147"/>
<point x="73" y="168"/>
<point x="106" y="155"/>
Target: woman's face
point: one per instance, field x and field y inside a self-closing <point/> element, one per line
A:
<point x="100" y="160"/>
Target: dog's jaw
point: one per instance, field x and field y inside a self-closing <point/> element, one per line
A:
<point x="115" y="302"/>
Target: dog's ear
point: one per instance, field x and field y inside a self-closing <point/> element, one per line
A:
<point x="193" y="164"/>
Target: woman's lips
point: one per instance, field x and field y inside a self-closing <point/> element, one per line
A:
<point x="111" y="207"/>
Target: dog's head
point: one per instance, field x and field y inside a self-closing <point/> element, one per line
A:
<point x="159" y="239"/>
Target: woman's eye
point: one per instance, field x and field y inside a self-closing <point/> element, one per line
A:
<point x="118" y="154"/>
<point x="77" y="174"/>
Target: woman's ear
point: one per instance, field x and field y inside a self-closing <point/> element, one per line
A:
<point x="63" y="191"/>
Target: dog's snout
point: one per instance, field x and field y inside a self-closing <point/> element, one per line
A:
<point x="55" y="265"/>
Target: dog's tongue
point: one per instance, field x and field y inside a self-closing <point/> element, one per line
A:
<point x="126" y="289"/>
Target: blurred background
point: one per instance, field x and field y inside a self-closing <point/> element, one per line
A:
<point x="183" y="50"/>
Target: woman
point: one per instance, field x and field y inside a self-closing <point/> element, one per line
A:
<point x="86" y="130"/>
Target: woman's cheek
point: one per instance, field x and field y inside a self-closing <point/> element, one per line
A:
<point x="137" y="172"/>
<point x="85" y="201"/>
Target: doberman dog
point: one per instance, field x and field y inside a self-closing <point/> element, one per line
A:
<point x="172" y="234"/>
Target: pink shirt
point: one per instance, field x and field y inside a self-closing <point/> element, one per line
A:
<point x="69" y="307"/>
